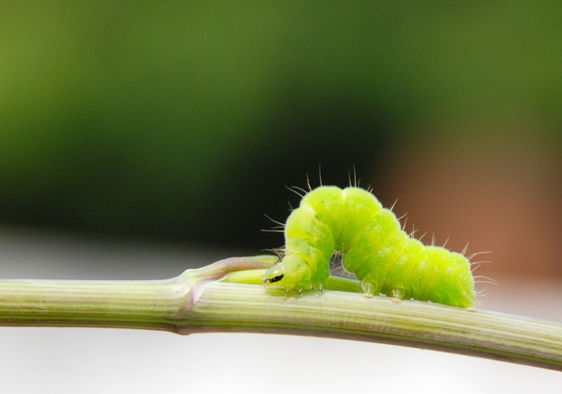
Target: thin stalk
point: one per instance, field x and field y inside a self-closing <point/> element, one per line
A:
<point x="206" y="300"/>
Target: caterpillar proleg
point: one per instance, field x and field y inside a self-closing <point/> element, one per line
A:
<point x="384" y="258"/>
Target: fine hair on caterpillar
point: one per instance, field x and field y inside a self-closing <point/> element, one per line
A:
<point x="374" y="247"/>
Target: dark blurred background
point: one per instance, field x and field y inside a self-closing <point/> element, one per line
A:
<point x="182" y="122"/>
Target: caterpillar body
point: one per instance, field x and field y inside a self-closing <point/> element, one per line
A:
<point x="382" y="256"/>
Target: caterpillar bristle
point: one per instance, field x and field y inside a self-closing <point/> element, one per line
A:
<point x="485" y="279"/>
<point x="279" y="251"/>
<point x="320" y="173"/>
<point x="274" y="221"/>
<point x="433" y="239"/>
<point x="402" y="217"/>
<point x="405" y="222"/>
<point x="480" y="262"/>
<point x="423" y="235"/>
<point x="482" y="295"/>
<point x="465" y="248"/>
<point x="353" y="183"/>
<point x="479" y="283"/>
<point x="291" y="189"/>
<point x="413" y="233"/>
<point x="446" y="241"/>
<point x="394" y="204"/>
<point x="308" y="183"/>
<point x="474" y="266"/>
<point x="478" y="253"/>
<point x="300" y="189"/>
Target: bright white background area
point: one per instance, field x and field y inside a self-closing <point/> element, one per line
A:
<point x="84" y="360"/>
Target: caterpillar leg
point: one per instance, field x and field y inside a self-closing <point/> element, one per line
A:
<point x="370" y="287"/>
<point x="398" y="294"/>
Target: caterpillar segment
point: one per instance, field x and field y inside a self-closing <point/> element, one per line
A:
<point x="375" y="248"/>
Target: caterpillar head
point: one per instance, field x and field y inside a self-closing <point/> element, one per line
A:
<point x="291" y="273"/>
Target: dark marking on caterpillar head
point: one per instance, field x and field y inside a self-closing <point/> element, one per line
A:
<point x="275" y="278"/>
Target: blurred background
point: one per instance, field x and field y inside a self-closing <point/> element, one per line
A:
<point x="137" y="141"/>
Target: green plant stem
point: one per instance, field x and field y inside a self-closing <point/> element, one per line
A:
<point x="204" y="300"/>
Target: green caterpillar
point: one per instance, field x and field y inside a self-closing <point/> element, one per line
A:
<point x="382" y="256"/>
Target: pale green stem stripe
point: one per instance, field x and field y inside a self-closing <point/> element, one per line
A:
<point x="134" y="304"/>
<point x="198" y="301"/>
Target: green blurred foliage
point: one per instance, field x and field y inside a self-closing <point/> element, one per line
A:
<point x="185" y="119"/>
